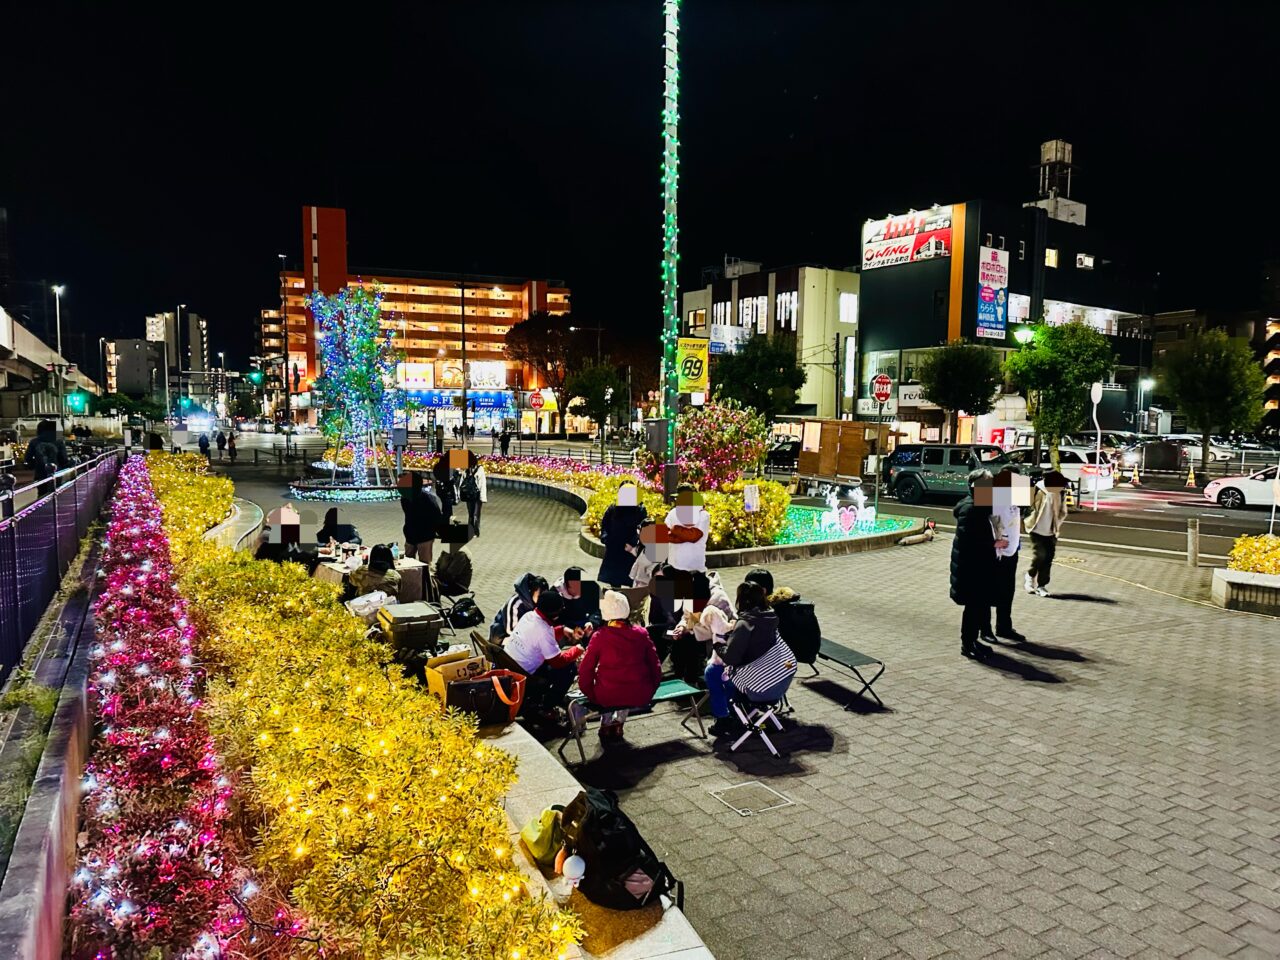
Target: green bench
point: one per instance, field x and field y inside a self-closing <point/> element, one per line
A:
<point x="582" y="712"/>
<point x="851" y="660"/>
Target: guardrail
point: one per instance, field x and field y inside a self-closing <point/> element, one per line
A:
<point x="38" y="542"/>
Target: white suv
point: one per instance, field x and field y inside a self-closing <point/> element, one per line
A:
<point x="1078" y="464"/>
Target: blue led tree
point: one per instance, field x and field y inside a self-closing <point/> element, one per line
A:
<point x="357" y="379"/>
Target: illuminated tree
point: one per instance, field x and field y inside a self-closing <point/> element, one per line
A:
<point x="357" y="381"/>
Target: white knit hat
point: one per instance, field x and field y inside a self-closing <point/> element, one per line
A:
<point x="614" y="606"/>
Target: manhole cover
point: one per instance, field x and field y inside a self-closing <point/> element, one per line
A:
<point x="750" y="798"/>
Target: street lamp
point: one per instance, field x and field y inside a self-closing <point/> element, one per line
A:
<point x="588" y="330"/>
<point x="1024" y="335"/>
<point x="1144" y="386"/>
<point x="58" y="290"/>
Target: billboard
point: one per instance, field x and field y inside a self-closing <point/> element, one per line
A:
<point x="919" y="235"/>
<point x="993" y="292"/>
<point x="691" y="365"/>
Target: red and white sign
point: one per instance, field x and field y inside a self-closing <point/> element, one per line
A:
<point x="536" y="400"/>
<point x="922" y="235"/>
<point x="882" y="388"/>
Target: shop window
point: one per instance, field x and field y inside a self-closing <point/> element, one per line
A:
<point x="1050" y="256"/>
<point x="848" y="308"/>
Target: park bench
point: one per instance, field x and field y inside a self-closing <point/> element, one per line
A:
<point x="582" y="712"/>
<point x="852" y="660"/>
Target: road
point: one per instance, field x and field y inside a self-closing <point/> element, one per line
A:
<point x="1145" y="520"/>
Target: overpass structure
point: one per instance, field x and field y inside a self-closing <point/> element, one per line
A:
<point x="28" y="373"/>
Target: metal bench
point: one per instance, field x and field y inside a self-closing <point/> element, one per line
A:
<point x="582" y="712"/>
<point x="851" y="660"/>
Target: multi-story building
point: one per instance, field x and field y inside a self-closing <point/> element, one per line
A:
<point x="816" y="305"/>
<point x="194" y="342"/>
<point x="135" y="368"/>
<point x="432" y="317"/>
<point x="981" y="270"/>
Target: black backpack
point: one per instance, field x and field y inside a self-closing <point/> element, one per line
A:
<point x="798" y="625"/>
<point x="470" y="489"/>
<point x="464" y="613"/>
<point x="622" y="873"/>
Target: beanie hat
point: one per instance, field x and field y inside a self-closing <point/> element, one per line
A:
<point x="614" y="606"/>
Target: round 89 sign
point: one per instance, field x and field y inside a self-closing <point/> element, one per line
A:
<point x="882" y="388"/>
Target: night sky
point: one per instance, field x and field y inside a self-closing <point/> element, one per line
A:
<point x="161" y="156"/>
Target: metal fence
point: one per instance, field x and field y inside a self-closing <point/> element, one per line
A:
<point x="39" y="541"/>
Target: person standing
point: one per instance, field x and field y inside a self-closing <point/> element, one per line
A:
<point x="1006" y="524"/>
<point x="973" y="564"/>
<point x="422" y="518"/>
<point x="690" y="526"/>
<point x="204" y="445"/>
<point x="221" y="441"/>
<point x="1044" y="524"/>
<point x="446" y="488"/>
<point x="231" y="447"/>
<point x="439" y="438"/>
<point x="504" y="441"/>
<point x="474" y="490"/>
<point x="620" y="534"/>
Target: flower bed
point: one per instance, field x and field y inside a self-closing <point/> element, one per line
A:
<point x="1260" y="554"/>
<point x="377" y="810"/>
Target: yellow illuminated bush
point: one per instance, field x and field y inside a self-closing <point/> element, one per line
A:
<point x="732" y="526"/>
<point x="379" y="810"/>
<point x="1260" y="554"/>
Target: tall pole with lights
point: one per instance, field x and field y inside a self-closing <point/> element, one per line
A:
<point x="670" y="222"/>
<point x="62" y="364"/>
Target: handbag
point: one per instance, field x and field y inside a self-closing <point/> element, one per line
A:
<point x="777" y="664"/>
<point x="494" y="697"/>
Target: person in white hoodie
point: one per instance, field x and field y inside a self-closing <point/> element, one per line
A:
<point x="1011" y="491"/>
<point x="1044" y="524"/>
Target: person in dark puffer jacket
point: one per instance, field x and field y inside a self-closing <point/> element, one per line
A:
<point x="973" y="565"/>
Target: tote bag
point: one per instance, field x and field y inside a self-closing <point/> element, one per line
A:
<point x="494" y="697"/>
<point x="765" y="672"/>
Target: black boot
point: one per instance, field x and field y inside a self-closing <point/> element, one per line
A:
<point x="973" y="649"/>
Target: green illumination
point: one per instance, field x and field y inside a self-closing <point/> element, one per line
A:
<point x="670" y="221"/>
<point x="255" y="376"/>
<point x="78" y="402"/>
<point x="804" y="525"/>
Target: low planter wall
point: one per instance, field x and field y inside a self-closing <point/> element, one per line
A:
<point x="1251" y="592"/>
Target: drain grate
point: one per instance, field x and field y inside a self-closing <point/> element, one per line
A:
<point x="748" y="799"/>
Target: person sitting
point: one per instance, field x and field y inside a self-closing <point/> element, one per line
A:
<point x="797" y="622"/>
<point x="691" y="640"/>
<point x="534" y="648"/>
<point x="581" y="600"/>
<point x="378" y="574"/>
<point x="620" y="668"/>
<point x="527" y="590"/>
<point x="333" y="530"/>
<point x="744" y="664"/>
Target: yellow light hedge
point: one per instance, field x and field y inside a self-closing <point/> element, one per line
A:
<point x="380" y="811"/>
<point x="1260" y="554"/>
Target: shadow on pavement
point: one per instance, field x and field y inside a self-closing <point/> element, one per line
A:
<point x="842" y="696"/>
<point x="754" y="758"/>
<point x="1027" y="671"/>
<point x="1084" y="598"/>
<point x="621" y="766"/>
<point x="1050" y="653"/>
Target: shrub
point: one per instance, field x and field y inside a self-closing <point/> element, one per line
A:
<point x="1260" y="554"/>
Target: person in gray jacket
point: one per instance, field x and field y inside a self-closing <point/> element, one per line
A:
<point x="752" y="636"/>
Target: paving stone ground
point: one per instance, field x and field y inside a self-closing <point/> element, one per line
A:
<point x="1110" y="790"/>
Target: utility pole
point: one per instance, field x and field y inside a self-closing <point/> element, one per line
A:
<point x="285" y="372"/>
<point x="836" y="367"/>
<point x="462" y="295"/>
<point x="62" y="363"/>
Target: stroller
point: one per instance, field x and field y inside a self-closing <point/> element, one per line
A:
<point x="451" y="589"/>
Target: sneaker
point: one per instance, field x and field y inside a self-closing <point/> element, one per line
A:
<point x="1042" y="592"/>
<point x="1028" y="583"/>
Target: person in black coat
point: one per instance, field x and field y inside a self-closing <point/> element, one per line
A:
<point x="422" y="518"/>
<point x="973" y="565"/>
<point x="446" y="487"/>
<point x="333" y="530"/>
<point x="620" y="534"/>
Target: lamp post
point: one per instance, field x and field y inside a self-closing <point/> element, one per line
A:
<point x="670" y="227"/>
<point x="285" y="368"/>
<point x="177" y="332"/>
<point x="102" y="361"/>
<point x="58" y="290"/>
<point x="1144" y="386"/>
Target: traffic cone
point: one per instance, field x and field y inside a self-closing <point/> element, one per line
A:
<point x="1134" y="480"/>
<point x="1191" y="475"/>
<point x="1073" y="496"/>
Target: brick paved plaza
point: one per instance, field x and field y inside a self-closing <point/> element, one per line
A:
<point x="1112" y="789"/>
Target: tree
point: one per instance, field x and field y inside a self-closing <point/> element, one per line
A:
<point x="598" y="392"/>
<point x="1055" y="371"/>
<point x="961" y="376"/>
<point x="147" y="407"/>
<point x="358" y="364"/>
<point x="1216" y="382"/>
<point x="763" y="374"/>
<point x="544" y="343"/>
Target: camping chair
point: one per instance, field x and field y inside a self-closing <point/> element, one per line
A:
<point x="449" y="592"/>
<point x="756" y="715"/>
<point x="498" y="658"/>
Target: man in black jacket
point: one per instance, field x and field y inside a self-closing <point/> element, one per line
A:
<point x="973" y="564"/>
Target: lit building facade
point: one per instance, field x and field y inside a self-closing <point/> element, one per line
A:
<point x="429" y="315"/>
<point x="135" y="368"/>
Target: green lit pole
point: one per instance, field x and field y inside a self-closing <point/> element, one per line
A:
<point x="670" y="223"/>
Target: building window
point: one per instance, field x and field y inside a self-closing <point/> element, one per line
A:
<point x="873" y="364"/>
<point x="1050" y="256"/>
<point x="696" y="321"/>
<point x="1084" y="261"/>
<point x="848" y="308"/>
<point x="1022" y="249"/>
<point x="754" y="312"/>
<point x="785" y="310"/>
<point x="720" y="313"/>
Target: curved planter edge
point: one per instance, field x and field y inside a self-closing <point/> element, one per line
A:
<point x="1250" y="592"/>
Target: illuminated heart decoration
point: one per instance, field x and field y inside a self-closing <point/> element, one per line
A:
<point x="848" y="517"/>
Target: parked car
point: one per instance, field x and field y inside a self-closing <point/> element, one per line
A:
<point x="783" y="454"/>
<point x="1255" y="489"/>
<point x="1191" y="447"/>
<point x="915" y="469"/>
<point x="1080" y="465"/>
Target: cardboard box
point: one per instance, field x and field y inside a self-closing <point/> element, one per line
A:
<point x="454" y="667"/>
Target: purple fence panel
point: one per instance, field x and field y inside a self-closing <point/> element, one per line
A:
<point x="11" y="636"/>
<point x="65" y="519"/>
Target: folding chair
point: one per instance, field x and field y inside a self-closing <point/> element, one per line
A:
<point x="756" y="718"/>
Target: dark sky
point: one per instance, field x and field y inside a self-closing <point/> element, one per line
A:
<point x="149" y="157"/>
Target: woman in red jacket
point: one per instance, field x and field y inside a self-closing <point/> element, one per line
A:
<point x="620" y="668"/>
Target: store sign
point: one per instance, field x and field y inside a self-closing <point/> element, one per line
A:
<point x="993" y="292"/>
<point x="727" y="337"/>
<point x="870" y="407"/>
<point x="692" y="365"/>
<point x="476" y="399"/>
<point x="416" y="376"/>
<point x="922" y="235"/>
<point x="912" y="395"/>
<point x="488" y="374"/>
